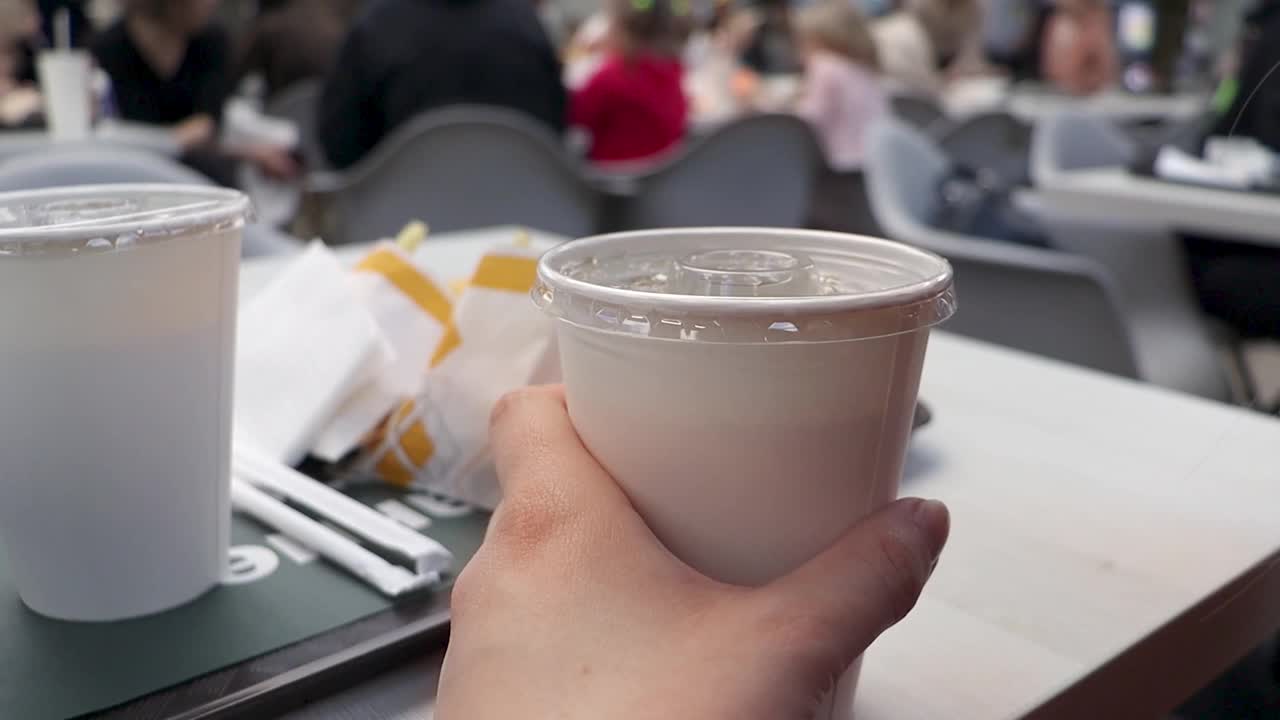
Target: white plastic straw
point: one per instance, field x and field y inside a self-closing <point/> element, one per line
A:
<point x="390" y="579"/>
<point x="62" y="29"/>
<point x="275" y="477"/>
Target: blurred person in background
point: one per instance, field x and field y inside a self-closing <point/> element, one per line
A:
<point x="404" y="57"/>
<point x="771" y="49"/>
<point x="294" y="40"/>
<point x="170" y="65"/>
<point x="20" y="101"/>
<point x="1079" y="51"/>
<point x="1254" y="106"/>
<point x="842" y="95"/>
<point x="634" y="107"/>
<point x="921" y="40"/>
<point x="1238" y="283"/>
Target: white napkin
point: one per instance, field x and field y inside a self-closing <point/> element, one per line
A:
<point x="243" y="124"/>
<point x="1174" y="164"/>
<point x="305" y="343"/>
<point x="1242" y="154"/>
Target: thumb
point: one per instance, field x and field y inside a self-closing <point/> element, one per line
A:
<point x="863" y="584"/>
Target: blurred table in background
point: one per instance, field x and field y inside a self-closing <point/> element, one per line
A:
<point x="1033" y="102"/>
<point x="1117" y="193"/>
<point x="128" y="136"/>
<point x="1110" y="552"/>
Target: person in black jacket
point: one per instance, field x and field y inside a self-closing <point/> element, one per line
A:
<point x="1255" y="111"/>
<point x="170" y="66"/>
<point x="403" y="57"/>
<point x="1239" y="283"/>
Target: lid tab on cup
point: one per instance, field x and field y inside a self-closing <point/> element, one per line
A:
<point x="745" y="285"/>
<point x="104" y="218"/>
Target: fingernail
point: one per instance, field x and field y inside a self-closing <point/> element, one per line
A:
<point x="934" y="521"/>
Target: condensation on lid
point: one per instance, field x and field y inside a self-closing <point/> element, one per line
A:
<point x="103" y="218"/>
<point x="745" y="285"/>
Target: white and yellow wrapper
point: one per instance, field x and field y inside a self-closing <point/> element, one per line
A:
<point x="413" y="311"/>
<point x="496" y="340"/>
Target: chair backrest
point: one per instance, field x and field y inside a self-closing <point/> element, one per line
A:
<point x="465" y="167"/>
<point x="918" y="111"/>
<point x="1052" y="304"/>
<point x="300" y="103"/>
<point x="81" y="166"/>
<point x="759" y="170"/>
<point x="1074" y="140"/>
<point x="994" y="141"/>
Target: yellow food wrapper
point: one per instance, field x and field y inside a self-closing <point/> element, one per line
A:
<point x="414" y="312"/>
<point x="497" y="341"/>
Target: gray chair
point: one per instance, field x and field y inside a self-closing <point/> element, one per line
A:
<point x="81" y="166"/>
<point x="1039" y="301"/>
<point x="995" y="142"/>
<point x="1176" y="345"/>
<point x="918" y="111"/>
<point x="458" y="168"/>
<point x="760" y="170"/>
<point x="300" y="103"/>
<point x="1076" y="140"/>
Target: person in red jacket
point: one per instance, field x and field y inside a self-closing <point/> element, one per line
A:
<point x="634" y="106"/>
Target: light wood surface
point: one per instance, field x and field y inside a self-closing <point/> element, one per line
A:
<point x="1112" y="549"/>
<point x="1116" y="193"/>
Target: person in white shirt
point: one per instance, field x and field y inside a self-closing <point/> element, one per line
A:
<point x="841" y="94"/>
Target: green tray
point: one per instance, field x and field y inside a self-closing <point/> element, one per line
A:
<point x="54" y="670"/>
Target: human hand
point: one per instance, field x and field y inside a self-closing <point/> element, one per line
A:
<point x="193" y="132"/>
<point x="573" y="609"/>
<point x="276" y="163"/>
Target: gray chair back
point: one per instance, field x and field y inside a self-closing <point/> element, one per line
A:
<point x="1176" y="346"/>
<point x="300" y="103"/>
<point x="918" y="111"/>
<point x="110" y="166"/>
<point x="1075" y="140"/>
<point x="996" y="142"/>
<point x="458" y="168"/>
<point x="759" y="171"/>
<point x="1044" y="302"/>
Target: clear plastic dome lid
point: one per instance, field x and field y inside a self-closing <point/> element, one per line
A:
<point x="745" y="285"/>
<point x="104" y="218"/>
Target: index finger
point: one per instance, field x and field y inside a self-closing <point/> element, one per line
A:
<point x="539" y="455"/>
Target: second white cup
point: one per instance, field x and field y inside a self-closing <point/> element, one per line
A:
<point x="68" y="98"/>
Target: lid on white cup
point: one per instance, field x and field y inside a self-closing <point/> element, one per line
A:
<point x="109" y="218"/>
<point x="745" y="285"/>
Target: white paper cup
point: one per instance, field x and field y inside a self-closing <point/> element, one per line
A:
<point x="118" y="313"/>
<point x="68" y="99"/>
<point x="754" y="399"/>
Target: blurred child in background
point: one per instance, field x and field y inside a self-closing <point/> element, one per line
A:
<point x="842" y="95"/>
<point x="634" y="105"/>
